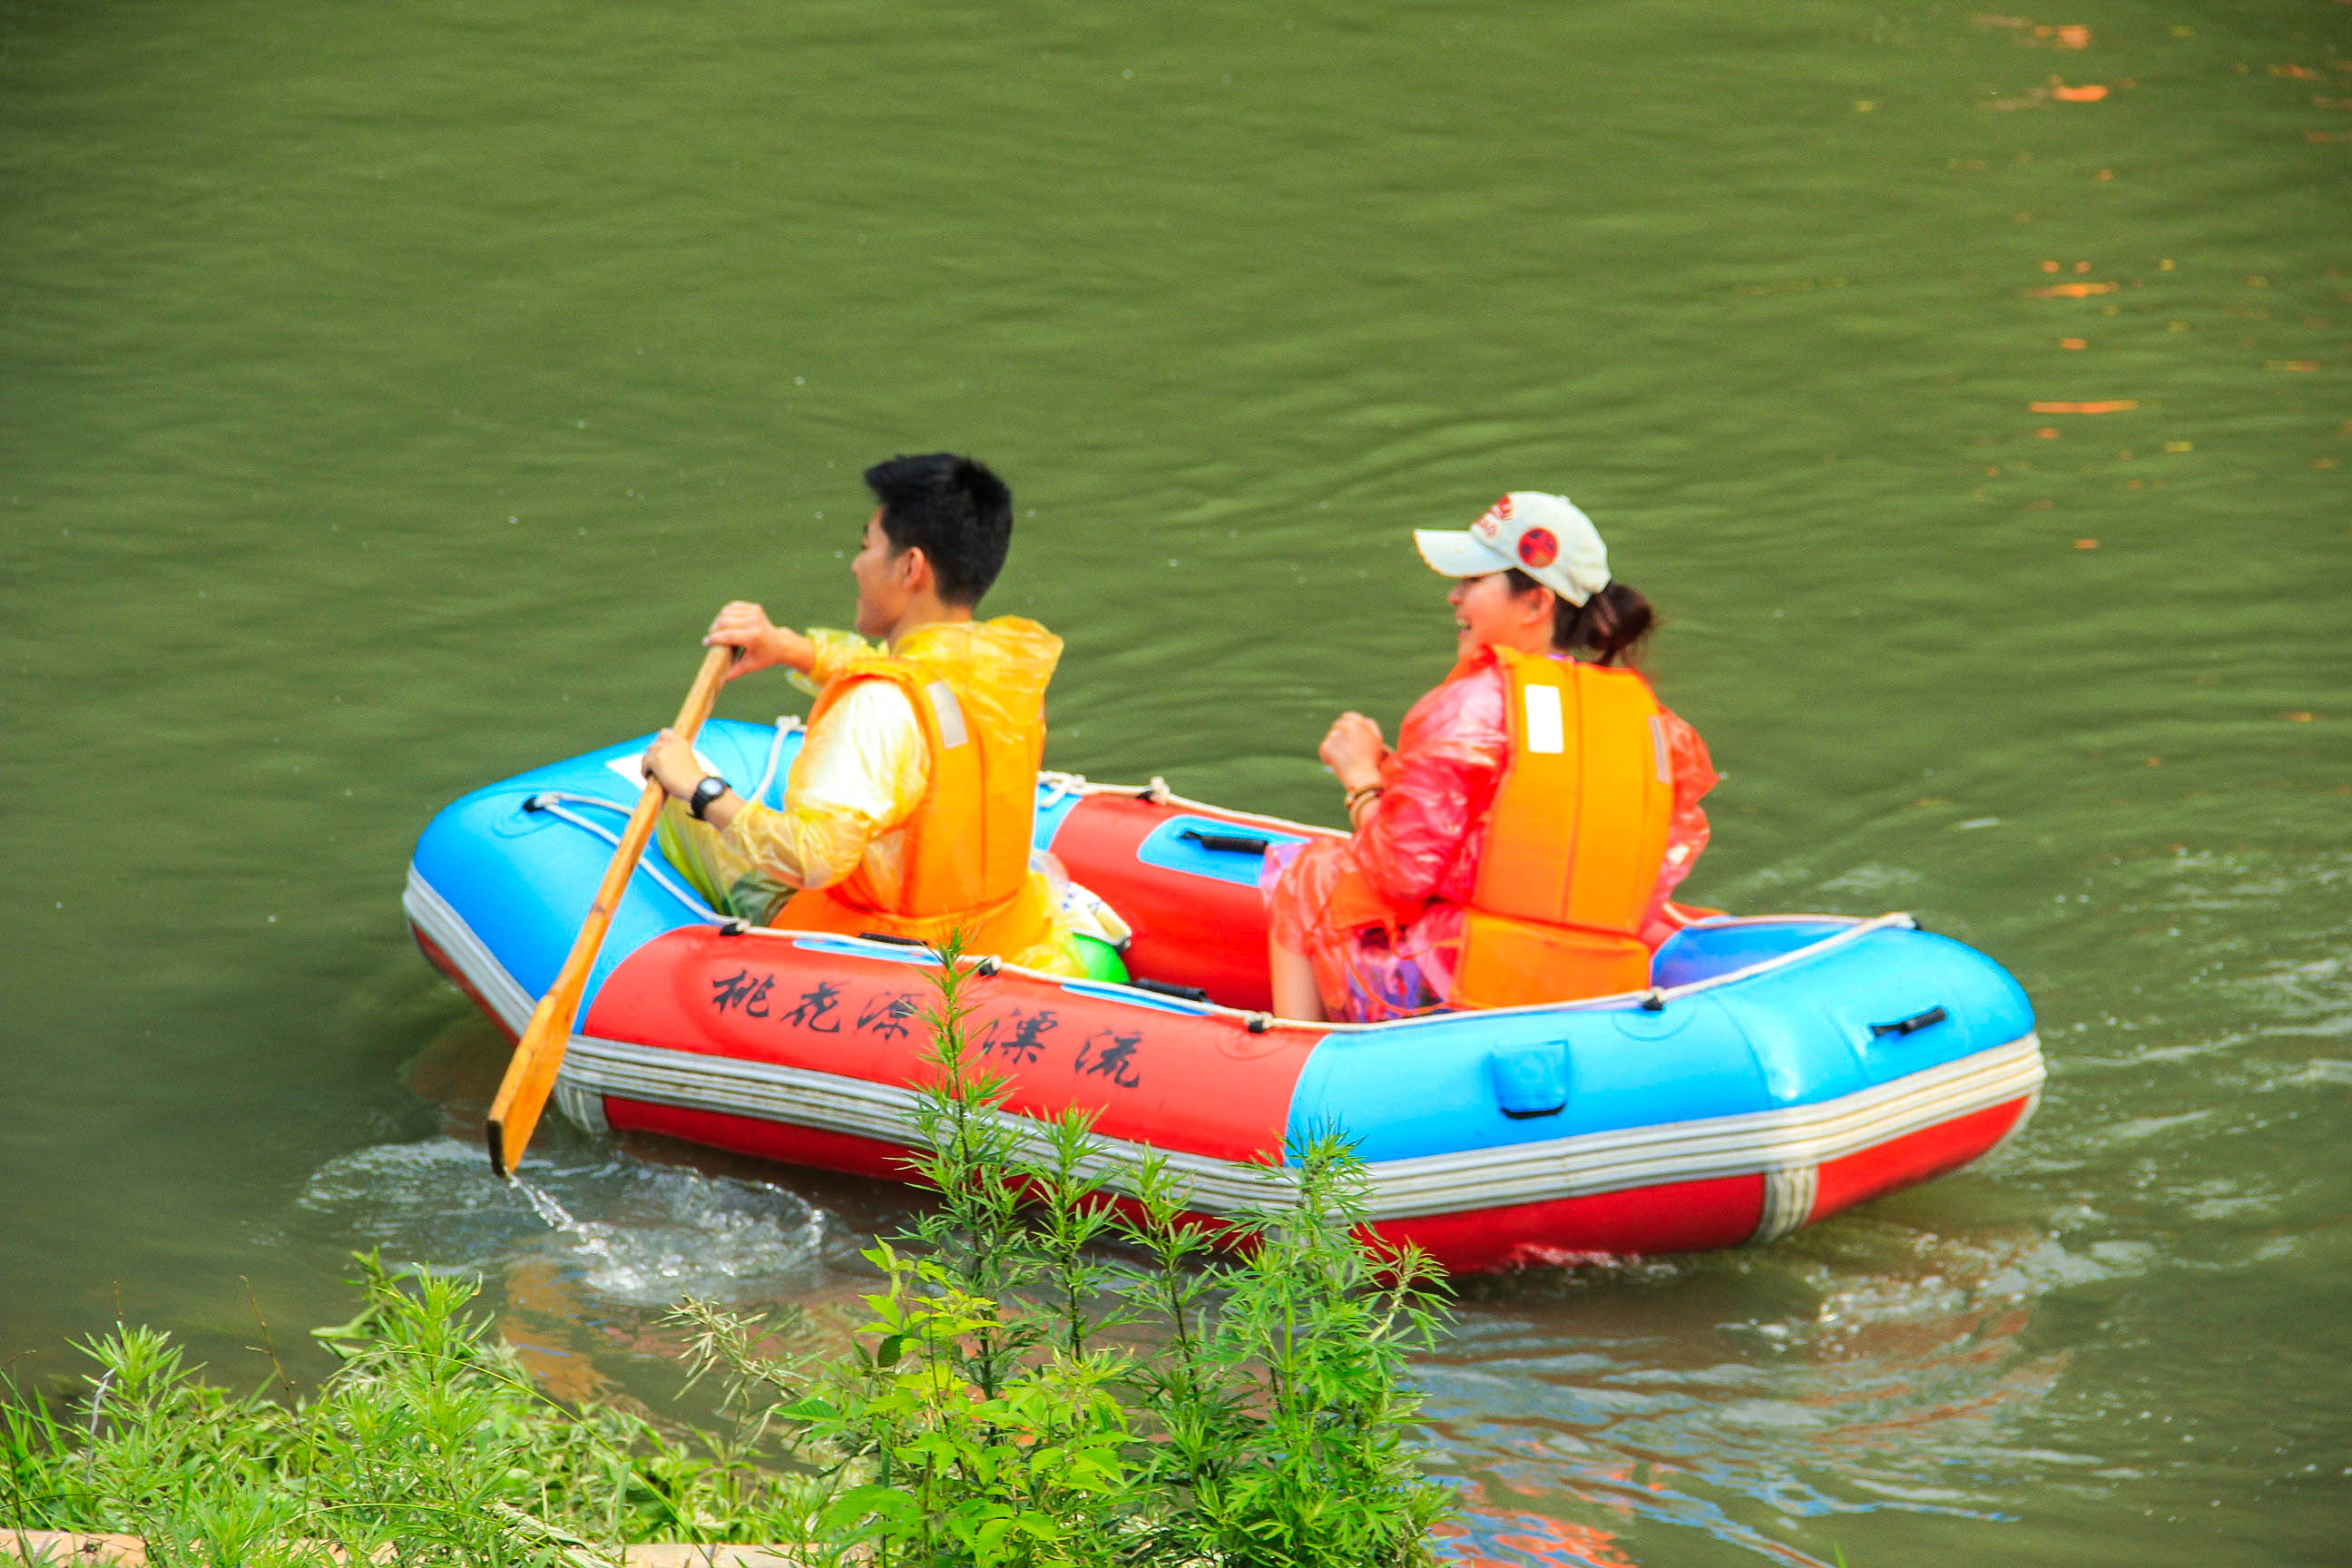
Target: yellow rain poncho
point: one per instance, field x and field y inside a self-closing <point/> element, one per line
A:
<point x="909" y="809"/>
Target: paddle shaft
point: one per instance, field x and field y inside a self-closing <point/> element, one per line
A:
<point x="530" y="1074"/>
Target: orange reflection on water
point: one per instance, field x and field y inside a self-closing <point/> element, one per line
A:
<point x="1481" y="1538"/>
<point x="2113" y="405"/>
<point x="541" y="1309"/>
<point x="2089" y="92"/>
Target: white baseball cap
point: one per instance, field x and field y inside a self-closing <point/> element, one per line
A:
<point x="1543" y="536"/>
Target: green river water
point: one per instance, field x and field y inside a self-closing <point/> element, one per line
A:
<point x="389" y="393"/>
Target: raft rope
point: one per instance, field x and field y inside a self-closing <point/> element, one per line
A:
<point x="786" y="724"/>
<point x="547" y="801"/>
<point x="1065" y="785"/>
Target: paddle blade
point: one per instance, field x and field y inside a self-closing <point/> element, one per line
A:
<point x="530" y="1080"/>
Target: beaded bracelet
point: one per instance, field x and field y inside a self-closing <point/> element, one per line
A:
<point x="1361" y="793"/>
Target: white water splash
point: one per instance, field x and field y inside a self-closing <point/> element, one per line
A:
<point x="659" y="1232"/>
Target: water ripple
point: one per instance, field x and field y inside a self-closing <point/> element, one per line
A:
<point x="659" y="1232"/>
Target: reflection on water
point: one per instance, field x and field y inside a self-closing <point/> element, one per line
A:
<point x="1758" y="1401"/>
<point x="1493" y="1538"/>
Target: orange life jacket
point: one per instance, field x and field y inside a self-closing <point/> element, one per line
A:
<point x="1574" y="838"/>
<point x="967" y="845"/>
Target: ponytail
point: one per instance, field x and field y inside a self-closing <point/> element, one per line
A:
<point x="1611" y="625"/>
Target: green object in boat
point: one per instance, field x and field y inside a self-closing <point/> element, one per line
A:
<point x="1102" y="960"/>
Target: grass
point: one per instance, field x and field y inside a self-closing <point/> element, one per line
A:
<point x="428" y="1441"/>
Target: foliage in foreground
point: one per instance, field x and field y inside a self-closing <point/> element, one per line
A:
<point x="428" y="1442"/>
<point x="1044" y="1378"/>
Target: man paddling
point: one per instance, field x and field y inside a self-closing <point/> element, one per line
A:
<point x="909" y="809"/>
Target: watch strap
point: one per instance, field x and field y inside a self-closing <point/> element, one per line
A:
<point x="706" y="796"/>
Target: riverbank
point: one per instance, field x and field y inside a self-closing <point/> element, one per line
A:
<point x="66" y="1549"/>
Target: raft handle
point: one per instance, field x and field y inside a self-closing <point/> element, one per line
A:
<point x="1530" y="1082"/>
<point x="1910" y="1026"/>
<point x="1170" y="988"/>
<point x="1231" y="843"/>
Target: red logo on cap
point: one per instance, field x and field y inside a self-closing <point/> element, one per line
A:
<point x="1538" y="548"/>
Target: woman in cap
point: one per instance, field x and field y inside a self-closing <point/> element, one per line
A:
<point x="1519" y="844"/>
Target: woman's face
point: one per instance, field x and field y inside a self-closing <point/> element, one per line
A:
<point x="1488" y="610"/>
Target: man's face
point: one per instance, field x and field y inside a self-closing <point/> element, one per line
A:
<point x="881" y="573"/>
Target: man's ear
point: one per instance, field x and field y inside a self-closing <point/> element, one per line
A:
<point x="915" y="572"/>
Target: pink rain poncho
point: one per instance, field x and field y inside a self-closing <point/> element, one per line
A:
<point x="1418" y="847"/>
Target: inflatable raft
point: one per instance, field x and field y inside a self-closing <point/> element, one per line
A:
<point x="1780" y="1069"/>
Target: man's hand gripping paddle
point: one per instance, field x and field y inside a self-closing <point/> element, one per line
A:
<point x="530" y="1075"/>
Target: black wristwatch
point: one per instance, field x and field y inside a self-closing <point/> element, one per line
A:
<point x="706" y="796"/>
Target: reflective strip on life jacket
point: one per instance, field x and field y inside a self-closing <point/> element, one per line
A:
<point x="947" y="715"/>
<point x="1574" y="838"/>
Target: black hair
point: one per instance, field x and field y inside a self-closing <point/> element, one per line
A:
<point x="1613" y="625"/>
<point x="959" y="512"/>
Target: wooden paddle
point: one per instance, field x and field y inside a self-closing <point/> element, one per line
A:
<point x="530" y="1075"/>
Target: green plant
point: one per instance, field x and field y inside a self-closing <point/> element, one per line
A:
<point x="428" y="1442"/>
<point x="1031" y="1471"/>
<point x="1303" y="1458"/>
<point x="978" y="1423"/>
<point x="970" y="1424"/>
